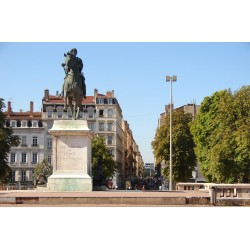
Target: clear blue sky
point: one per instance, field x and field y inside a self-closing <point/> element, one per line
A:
<point x="135" y="71"/>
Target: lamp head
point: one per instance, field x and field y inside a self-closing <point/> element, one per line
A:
<point x="169" y="78"/>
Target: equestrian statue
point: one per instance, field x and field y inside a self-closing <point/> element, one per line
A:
<point x="74" y="88"/>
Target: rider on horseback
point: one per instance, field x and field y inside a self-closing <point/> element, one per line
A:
<point x="80" y="67"/>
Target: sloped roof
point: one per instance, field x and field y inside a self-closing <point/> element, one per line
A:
<point x="57" y="99"/>
<point x="23" y="115"/>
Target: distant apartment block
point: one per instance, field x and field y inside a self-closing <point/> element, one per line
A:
<point x="192" y="109"/>
<point x="131" y="156"/>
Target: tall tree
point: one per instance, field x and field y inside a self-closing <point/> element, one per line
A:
<point x="241" y="106"/>
<point x="183" y="157"/>
<point x="99" y="151"/>
<point x="221" y="133"/>
<point x="7" y="140"/>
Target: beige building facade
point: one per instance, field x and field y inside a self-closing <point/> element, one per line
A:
<point x="132" y="158"/>
<point x="23" y="158"/>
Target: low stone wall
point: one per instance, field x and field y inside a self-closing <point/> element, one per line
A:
<point x="231" y="190"/>
<point x="191" y="186"/>
<point x="221" y="194"/>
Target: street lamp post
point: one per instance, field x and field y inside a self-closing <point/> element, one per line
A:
<point x="171" y="79"/>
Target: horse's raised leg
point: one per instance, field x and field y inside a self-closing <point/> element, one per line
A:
<point x="75" y="112"/>
<point x="78" y="112"/>
<point x="65" y="96"/>
<point x="65" y="100"/>
<point x="65" y="103"/>
<point x="71" y="107"/>
<point x="78" y="106"/>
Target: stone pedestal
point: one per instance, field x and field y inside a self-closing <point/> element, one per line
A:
<point x="71" y="156"/>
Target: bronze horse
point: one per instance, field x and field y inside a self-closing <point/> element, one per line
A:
<point x="72" y="86"/>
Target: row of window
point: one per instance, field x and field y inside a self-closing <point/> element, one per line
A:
<point x="92" y="126"/>
<point x="109" y="113"/>
<point x="23" y="158"/>
<point x="61" y="114"/>
<point x="102" y="126"/>
<point x="110" y="140"/>
<point x="24" y="124"/>
<point x="22" y="175"/>
<point x="23" y="139"/>
<point x="109" y="101"/>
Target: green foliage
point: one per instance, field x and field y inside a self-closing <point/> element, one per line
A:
<point x="42" y="171"/>
<point x="99" y="151"/>
<point x="183" y="157"/>
<point x="7" y="140"/>
<point x="222" y="136"/>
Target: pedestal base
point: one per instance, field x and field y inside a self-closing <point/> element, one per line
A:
<point x="80" y="183"/>
<point x="71" y="156"/>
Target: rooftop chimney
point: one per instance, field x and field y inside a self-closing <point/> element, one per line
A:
<point x="31" y="109"/>
<point x="110" y="93"/>
<point x="46" y="94"/>
<point x="95" y="94"/>
<point x="9" y="109"/>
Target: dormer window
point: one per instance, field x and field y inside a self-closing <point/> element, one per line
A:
<point x="34" y="124"/>
<point x="101" y="101"/>
<point x="13" y="124"/>
<point x="29" y="124"/>
<point x="49" y="111"/>
<point x="40" y="124"/>
<point x="24" y="124"/>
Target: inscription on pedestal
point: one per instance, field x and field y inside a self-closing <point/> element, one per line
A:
<point x="69" y="149"/>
